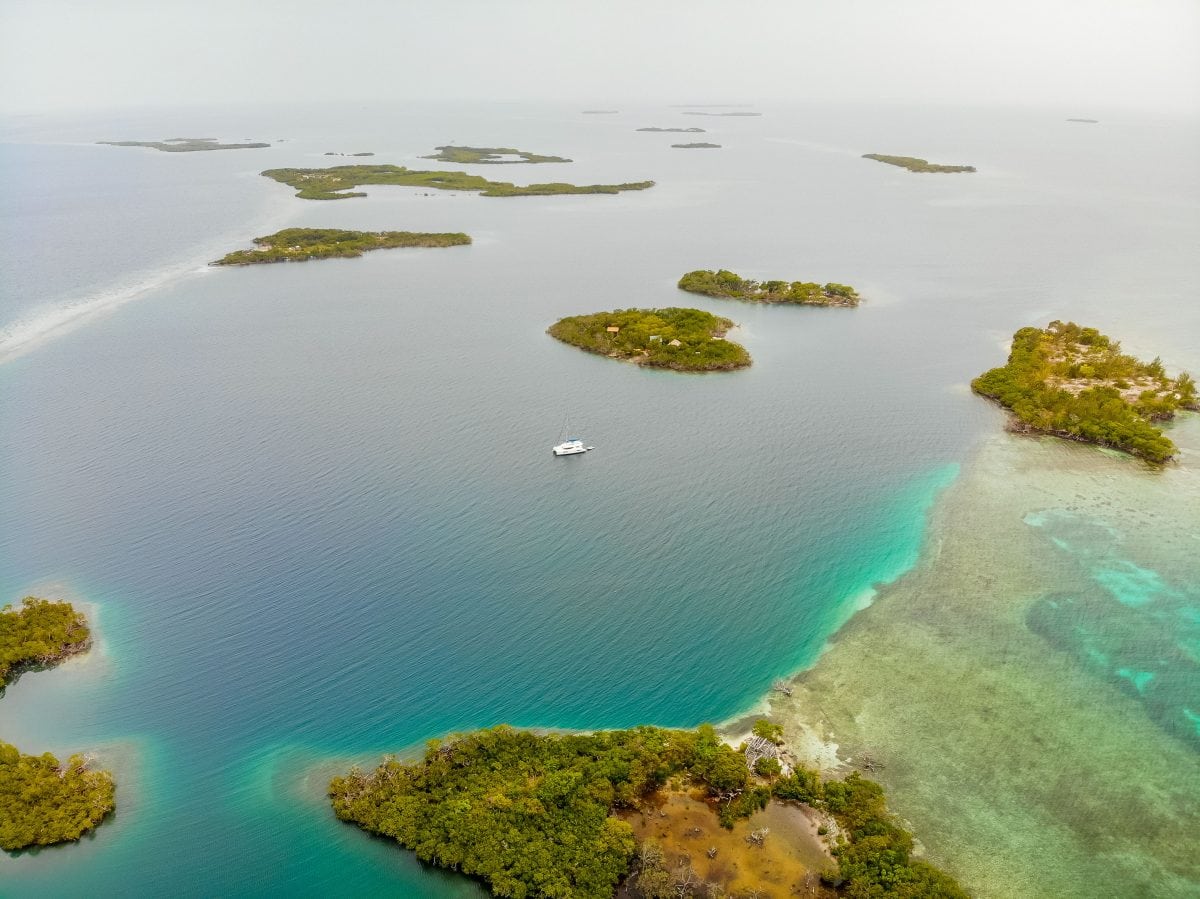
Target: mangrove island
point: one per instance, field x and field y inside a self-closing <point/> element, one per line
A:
<point x="488" y="156"/>
<point x="337" y="183"/>
<point x="43" y="801"/>
<point x="674" y="338"/>
<point x="915" y="164"/>
<point x="39" y="634"/>
<point x="697" y="146"/>
<point x="302" y="244"/>
<point x="1075" y="383"/>
<point x="727" y="284"/>
<point x="182" y="144"/>
<point x="545" y="815"/>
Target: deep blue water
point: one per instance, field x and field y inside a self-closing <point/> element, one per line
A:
<point x="315" y="506"/>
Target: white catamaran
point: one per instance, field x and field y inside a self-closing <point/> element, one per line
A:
<point x="569" y="446"/>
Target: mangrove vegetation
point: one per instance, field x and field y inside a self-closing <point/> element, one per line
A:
<point x="337" y="183"/>
<point x="183" y="144"/>
<point x="488" y="156"/>
<point x="38" y="634"/>
<point x="914" y="164"/>
<point x="729" y="285"/>
<point x="1074" y="382"/>
<point x="675" y="338"/>
<point x="43" y="801"/>
<point x="533" y="815"/>
<point x="302" y="244"/>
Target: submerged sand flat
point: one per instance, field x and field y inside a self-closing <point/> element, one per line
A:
<point x="1031" y="686"/>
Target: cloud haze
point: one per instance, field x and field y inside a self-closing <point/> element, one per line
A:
<point x="1085" y="54"/>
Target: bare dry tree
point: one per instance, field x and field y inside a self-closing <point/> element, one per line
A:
<point x="758" y="837"/>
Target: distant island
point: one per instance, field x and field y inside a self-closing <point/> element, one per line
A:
<point x="674" y="130"/>
<point x="1075" y="383"/>
<point x="336" y="183"/>
<point x="697" y="146"/>
<point x="601" y="111"/>
<point x="182" y="144"/>
<point x="43" y="801"/>
<point x="727" y="284"/>
<point x="1085" y="121"/>
<point x="914" y="164"/>
<point x="693" y="112"/>
<point x="546" y="814"/>
<point x="488" y="156"/>
<point x="302" y="244"/>
<point x="674" y="338"/>
<point x="331" y="153"/>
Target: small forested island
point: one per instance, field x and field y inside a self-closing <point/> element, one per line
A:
<point x="39" y="634"/>
<point x="336" y="183"/>
<point x="302" y="244"/>
<point x="488" y="156"/>
<point x="332" y="153"/>
<point x="1075" y="383"/>
<point x="674" y="338"/>
<point x="43" y="801"/>
<point x="914" y="164"/>
<point x="1085" y="121"/>
<point x="727" y="284"/>
<point x="674" y="130"/>
<point x="601" y="111"/>
<point x="537" y="815"/>
<point x="697" y="146"/>
<point x="182" y="144"/>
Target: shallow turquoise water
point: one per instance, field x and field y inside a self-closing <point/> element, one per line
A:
<point x="1130" y="624"/>
<point x="315" y="506"/>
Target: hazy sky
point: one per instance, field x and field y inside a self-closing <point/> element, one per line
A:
<point x="1081" y="54"/>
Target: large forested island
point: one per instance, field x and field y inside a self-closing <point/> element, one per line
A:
<point x="1075" y="382"/>
<point x="336" y="183"/>
<point x="915" y="164"/>
<point x="183" y="144"/>
<point x="302" y="244"/>
<point x="533" y="815"/>
<point x="489" y="156"/>
<point x="674" y="338"/>
<point x="43" y="801"/>
<point x="729" y="285"/>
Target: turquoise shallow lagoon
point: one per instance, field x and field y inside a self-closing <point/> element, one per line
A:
<point x="1032" y="714"/>
<point x="315" y="505"/>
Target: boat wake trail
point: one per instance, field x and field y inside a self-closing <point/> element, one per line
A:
<point x="43" y="323"/>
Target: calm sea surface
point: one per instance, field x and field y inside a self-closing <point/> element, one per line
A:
<point x="314" y="505"/>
